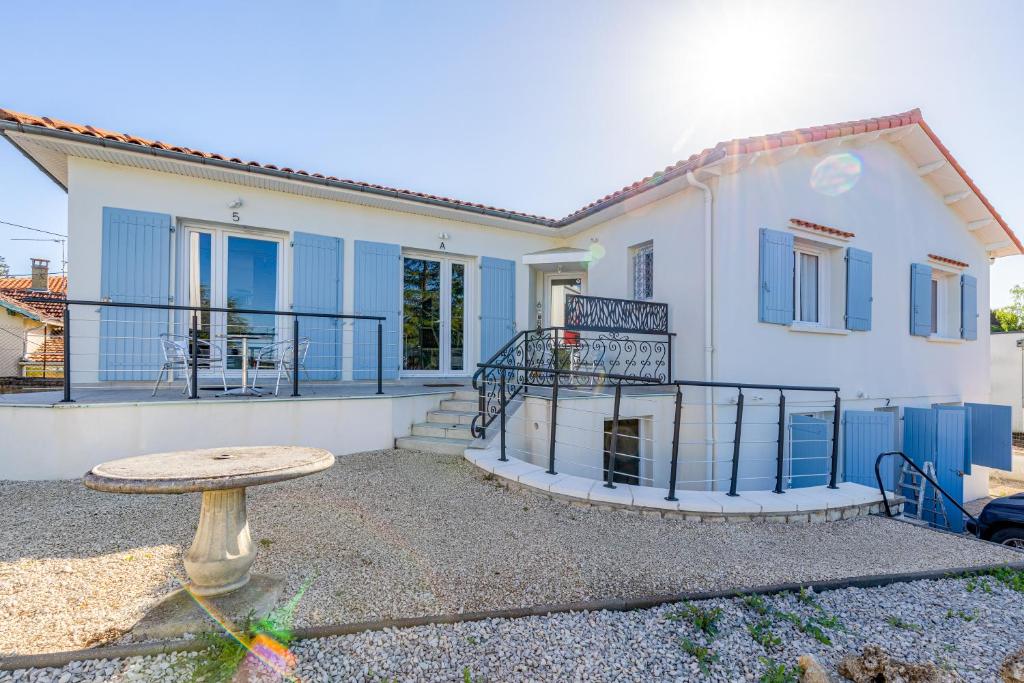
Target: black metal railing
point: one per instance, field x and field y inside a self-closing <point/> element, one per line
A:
<point x="142" y="328"/>
<point x="504" y="378"/>
<point x="529" y="358"/>
<point x="604" y="314"/>
<point x="930" y="480"/>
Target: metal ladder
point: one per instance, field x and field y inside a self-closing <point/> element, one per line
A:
<point x="924" y="498"/>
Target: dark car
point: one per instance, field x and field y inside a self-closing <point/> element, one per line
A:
<point x="1002" y="521"/>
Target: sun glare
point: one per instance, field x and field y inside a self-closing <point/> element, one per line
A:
<point x="744" y="64"/>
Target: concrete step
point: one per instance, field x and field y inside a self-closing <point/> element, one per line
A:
<point x="432" y="444"/>
<point x="466" y="395"/>
<point x="451" y="416"/>
<point x="461" y="406"/>
<point x="446" y="430"/>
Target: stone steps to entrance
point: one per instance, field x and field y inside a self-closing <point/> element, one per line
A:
<point x="443" y="429"/>
<point x="447" y="429"/>
<point x="432" y="444"/>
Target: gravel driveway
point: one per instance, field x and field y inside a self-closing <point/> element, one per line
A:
<point x="401" y="533"/>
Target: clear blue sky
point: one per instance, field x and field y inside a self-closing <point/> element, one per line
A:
<point x="535" y="106"/>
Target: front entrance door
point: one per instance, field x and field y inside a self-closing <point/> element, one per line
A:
<point x="434" y="305"/>
<point x="556" y="287"/>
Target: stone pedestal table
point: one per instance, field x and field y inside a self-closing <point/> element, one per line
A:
<point x="222" y="553"/>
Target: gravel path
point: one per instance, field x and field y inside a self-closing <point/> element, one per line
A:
<point x="400" y="533"/>
<point x="966" y="626"/>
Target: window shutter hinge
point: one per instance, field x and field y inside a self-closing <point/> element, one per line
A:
<point x="172" y="228"/>
<point x="291" y="243"/>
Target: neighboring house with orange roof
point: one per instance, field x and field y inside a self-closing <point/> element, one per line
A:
<point x="31" y="340"/>
<point x="853" y="255"/>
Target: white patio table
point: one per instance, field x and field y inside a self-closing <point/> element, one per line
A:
<point x="222" y="553"/>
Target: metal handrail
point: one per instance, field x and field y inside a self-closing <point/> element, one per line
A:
<point x="885" y="499"/>
<point x="195" y="310"/>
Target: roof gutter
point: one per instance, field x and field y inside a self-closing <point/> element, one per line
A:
<point x="261" y="170"/>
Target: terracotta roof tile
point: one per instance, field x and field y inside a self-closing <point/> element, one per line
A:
<point x="710" y="155"/>
<point x="14" y="290"/>
<point x="949" y="261"/>
<point x="836" y="232"/>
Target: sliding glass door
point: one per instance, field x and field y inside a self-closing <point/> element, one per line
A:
<point x="433" y="314"/>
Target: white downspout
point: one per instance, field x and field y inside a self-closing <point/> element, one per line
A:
<point x="711" y="467"/>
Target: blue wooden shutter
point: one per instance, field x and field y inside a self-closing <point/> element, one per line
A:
<point x="497" y="304"/>
<point x="866" y="434"/>
<point x="968" y="307"/>
<point x="949" y="461"/>
<point x="317" y="264"/>
<point x="135" y="268"/>
<point x="968" y="441"/>
<point x="858" y="289"/>
<point x="810" y="451"/>
<point x="991" y="435"/>
<point x="920" y="299"/>
<point x="378" y="276"/>
<point x="775" y="293"/>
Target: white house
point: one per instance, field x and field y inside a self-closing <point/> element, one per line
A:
<point x="852" y="255"/>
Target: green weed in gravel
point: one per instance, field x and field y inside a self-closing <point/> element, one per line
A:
<point x="897" y="622"/>
<point x="776" y="672"/>
<point x="703" y="619"/>
<point x="702" y="653"/>
<point x="763" y="635"/>
<point x="1011" y="578"/>
<point x="758" y="604"/>
<point x="950" y="614"/>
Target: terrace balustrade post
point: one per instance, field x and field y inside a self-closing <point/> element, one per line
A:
<point x="781" y="453"/>
<point x="554" y="424"/>
<point x="295" y="355"/>
<point x="501" y="397"/>
<point x="835" y="446"/>
<point x="195" y="356"/>
<point x="67" y="354"/>
<point x="614" y="450"/>
<point x="736" y="445"/>
<point x="675" y="446"/>
<point x="380" y="357"/>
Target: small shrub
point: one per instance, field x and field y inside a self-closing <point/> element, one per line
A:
<point x="776" y="672"/>
<point x="703" y="654"/>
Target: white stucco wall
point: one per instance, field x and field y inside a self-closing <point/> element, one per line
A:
<point x="94" y="185"/>
<point x="64" y="442"/>
<point x="1008" y="374"/>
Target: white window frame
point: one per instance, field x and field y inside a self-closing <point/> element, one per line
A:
<point x="947" y="304"/>
<point x="824" y="283"/>
<point x="635" y="251"/>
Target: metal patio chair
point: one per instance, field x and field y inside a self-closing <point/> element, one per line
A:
<point x="178" y="356"/>
<point x="279" y="356"/>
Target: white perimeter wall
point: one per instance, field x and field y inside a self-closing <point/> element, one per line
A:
<point x="44" y="442"/>
<point x="1008" y="374"/>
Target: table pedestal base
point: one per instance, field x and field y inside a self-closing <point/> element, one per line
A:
<point x="222" y="552"/>
<point x="179" y="613"/>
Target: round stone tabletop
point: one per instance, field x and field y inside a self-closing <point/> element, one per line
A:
<point x="209" y="469"/>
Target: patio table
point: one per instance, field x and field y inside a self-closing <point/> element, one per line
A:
<point x="222" y="553"/>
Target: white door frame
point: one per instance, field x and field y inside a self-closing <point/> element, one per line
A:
<point x="548" y="277"/>
<point x="468" y="324"/>
<point x="219" y="235"/>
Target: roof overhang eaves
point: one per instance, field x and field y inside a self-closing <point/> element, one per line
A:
<point x="260" y="170"/>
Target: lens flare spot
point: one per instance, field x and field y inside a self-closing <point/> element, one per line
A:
<point x="597" y="252"/>
<point x="836" y="174"/>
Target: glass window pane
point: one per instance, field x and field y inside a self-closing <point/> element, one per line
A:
<point x="458" y="314"/>
<point x="251" y="283"/>
<point x="422" y="314"/>
<point x="808" y="288"/>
